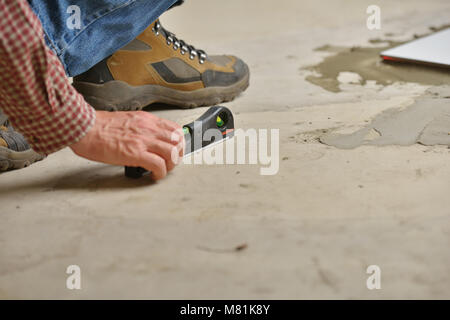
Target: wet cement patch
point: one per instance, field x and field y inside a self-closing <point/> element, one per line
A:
<point x="426" y="121"/>
<point x="366" y="62"/>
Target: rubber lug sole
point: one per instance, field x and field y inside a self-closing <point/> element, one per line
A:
<point x="10" y="159"/>
<point x="117" y="95"/>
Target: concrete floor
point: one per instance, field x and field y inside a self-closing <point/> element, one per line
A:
<point x="310" y="231"/>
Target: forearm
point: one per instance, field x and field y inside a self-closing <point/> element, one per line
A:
<point x="35" y="93"/>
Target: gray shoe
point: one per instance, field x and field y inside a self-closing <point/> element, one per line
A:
<point x="15" y="152"/>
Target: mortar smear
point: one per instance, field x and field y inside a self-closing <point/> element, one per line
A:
<point x="367" y="63"/>
<point x="426" y="121"/>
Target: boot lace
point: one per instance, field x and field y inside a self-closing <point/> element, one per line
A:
<point x="179" y="44"/>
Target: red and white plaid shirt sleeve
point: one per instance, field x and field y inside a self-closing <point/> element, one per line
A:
<point x="35" y="92"/>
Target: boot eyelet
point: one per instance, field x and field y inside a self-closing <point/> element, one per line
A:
<point x="193" y="54"/>
<point x="171" y="39"/>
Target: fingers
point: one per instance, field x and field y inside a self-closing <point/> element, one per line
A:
<point x="162" y="123"/>
<point x="165" y="150"/>
<point x="155" y="164"/>
<point x="162" y="140"/>
<point x="163" y="129"/>
<point x="168" y="125"/>
<point x="173" y="137"/>
<point x="137" y="139"/>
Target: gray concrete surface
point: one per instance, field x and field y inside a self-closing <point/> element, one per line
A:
<point x="308" y="232"/>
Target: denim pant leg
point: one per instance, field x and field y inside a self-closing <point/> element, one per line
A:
<point x="105" y="26"/>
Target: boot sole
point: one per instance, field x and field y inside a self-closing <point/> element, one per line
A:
<point x="117" y="95"/>
<point x="10" y="159"/>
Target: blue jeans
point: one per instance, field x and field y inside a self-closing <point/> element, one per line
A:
<point x="105" y="26"/>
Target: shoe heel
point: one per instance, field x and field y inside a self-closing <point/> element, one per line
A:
<point x="114" y="95"/>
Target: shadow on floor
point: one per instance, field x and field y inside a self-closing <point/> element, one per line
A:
<point x="99" y="177"/>
<point x="160" y="107"/>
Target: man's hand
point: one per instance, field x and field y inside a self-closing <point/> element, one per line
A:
<point x="135" y="139"/>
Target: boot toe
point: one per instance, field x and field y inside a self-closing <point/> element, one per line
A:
<point x="213" y="78"/>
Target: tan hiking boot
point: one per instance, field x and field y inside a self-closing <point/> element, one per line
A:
<point x="157" y="67"/>
<point x="15" y="153"/>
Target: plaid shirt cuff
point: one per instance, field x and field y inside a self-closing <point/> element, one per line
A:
<point x="35" y="92"/>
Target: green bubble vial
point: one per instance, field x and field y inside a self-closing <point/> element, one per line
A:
<point x="219" y="122"/>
